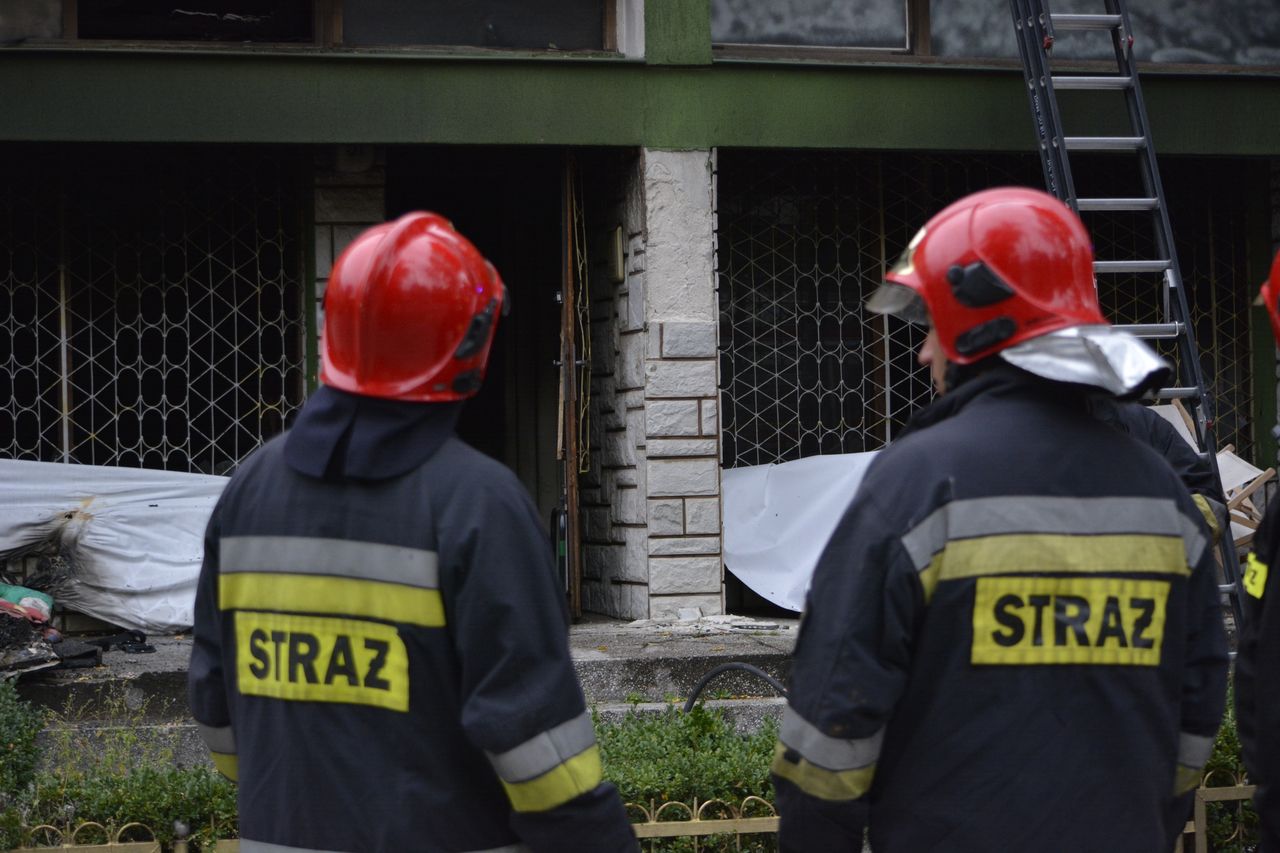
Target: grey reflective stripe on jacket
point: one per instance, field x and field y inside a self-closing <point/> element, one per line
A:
<point x="546" y="751"/>
<point x="372" y="561"/>
<point x="1003" y="516"/>
<point x="825" y="751"/>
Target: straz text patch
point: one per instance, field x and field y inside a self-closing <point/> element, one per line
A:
<point x="1068" y="620"/>
<point x="321" y="659"/>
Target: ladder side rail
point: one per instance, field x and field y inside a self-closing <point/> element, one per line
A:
<point x="1179" y="308"/>
<point x="1030" y="18"/>
<point x="1176" y="296"/>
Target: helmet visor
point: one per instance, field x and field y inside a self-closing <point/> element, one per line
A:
<point x="900" y="301"/>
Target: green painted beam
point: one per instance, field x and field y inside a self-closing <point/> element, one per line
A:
<point x="319" y="98"/>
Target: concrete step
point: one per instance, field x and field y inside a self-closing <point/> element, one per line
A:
<point x="619" y="664"/>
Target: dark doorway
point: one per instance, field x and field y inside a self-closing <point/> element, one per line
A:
<point x="507" y="202"/>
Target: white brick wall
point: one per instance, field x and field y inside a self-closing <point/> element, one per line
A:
<point x="682" y="442"/>
<point x="616" y="546"/>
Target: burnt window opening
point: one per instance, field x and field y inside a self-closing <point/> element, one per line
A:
<point x="151" y="304"/>
<point x="196" y="20"/>
<point x="546" y="25"/>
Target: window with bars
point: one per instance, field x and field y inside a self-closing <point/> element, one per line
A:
<point x="150" y="304"/>
<point x="803" y="238"/>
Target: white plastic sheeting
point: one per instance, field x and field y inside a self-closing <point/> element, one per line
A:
<point x="133" y="537"/>
<point x="778" y="518"/>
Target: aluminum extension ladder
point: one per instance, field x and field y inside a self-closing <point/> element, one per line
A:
<point x="1035" y="27"/>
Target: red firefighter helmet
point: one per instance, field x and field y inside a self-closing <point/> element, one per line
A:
<point x="410" y="312"/>
<point x="994" y="269"/>
<point x="1269" y="297"/>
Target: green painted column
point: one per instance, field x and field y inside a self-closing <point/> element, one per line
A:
<point x="1262" y="342"/>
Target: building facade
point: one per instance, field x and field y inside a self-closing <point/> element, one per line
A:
<point x="688" y="200"/>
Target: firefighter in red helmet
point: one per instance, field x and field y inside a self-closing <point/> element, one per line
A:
<point x="1012" y="640"/>
<point x="1257" y="678"/>
<point x="380" y="650"/>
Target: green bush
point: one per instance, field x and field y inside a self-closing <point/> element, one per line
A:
<point x="20" y="723"/>
<point x="1233" y="825"/>
<point x="152" y="795"/>
<point x="676" y="757"/>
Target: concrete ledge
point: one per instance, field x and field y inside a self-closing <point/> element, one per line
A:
<point x="618" y="664"/>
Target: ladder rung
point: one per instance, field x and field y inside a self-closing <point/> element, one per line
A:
<point x="1226" y="587"/>
<point x="1111" y="82"/>
<point x="1152" y="331"/>
<point x="1085" y="22"/>
<point x="1117" y="203"/>
<point x="1178" y="393"/>
<point x="1104" y="143"/>
<point x="1130" y="266"/>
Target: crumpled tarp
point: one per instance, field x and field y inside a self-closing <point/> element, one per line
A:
<point x="127" y="541"/>
<point x="778" y="518"/>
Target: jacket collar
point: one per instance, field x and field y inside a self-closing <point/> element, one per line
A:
<point x="342" y="436"/>
<point x="996" y="380"/>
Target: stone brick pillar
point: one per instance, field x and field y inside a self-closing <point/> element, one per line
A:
<point x="681" y="411"/>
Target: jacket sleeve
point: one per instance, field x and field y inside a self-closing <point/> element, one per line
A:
<point x="1204" y="685"/>
<point x="521" y="701"/>
<point x="206" y="685"/>
<point x="850" y="666"/>
<point x="1191" y="468"/>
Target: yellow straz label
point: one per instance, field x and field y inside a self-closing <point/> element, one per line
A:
<point x="1255" y="576"/>
<point x="321" y="659"/>
<point x="1110" y="621"/>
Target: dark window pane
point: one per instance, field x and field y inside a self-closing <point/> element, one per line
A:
<point x="30" y="19"/>
<point x="196" y="20"/>
<point x="1238" y="32"/>
<point x="816" y="23"/>
<point x="553" y="24"/>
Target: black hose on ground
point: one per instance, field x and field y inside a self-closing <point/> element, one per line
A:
<point x="725" y="667"/>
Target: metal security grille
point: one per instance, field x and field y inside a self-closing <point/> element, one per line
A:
<point x="803" y="239"/>
<point x="150" y="304"/>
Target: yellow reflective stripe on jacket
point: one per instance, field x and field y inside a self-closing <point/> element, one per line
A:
<point x="832" y="753"/>
<point x="298" y="593"/>
<point x="227" y="764"/>
<point x="543" y="752"/>
<point x="248" y="845"/>
<point x="1013" y="535"/>
<point x="1255" y="576"/>
<point x="570" y="779"/>
<point x="1055" y="553"/>
<point x="1210" y="509"/>
<point x="1002" y="516"/>
<point x="835" y="785"/>
<point x="221" y="741"/>
<point x="552" y="767"/>
<point x="823" y="766"/>
<point x="1194" y="752"/>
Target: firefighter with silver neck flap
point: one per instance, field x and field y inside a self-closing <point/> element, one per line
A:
<point x="1013" y="639"/>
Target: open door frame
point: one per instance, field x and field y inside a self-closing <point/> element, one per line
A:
<point x="569" y="440"/>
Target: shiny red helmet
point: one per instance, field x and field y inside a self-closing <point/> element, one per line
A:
<point x="994" y="269"/>
<point x="1269" y="297"/>
<point x="410" y="311"/>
